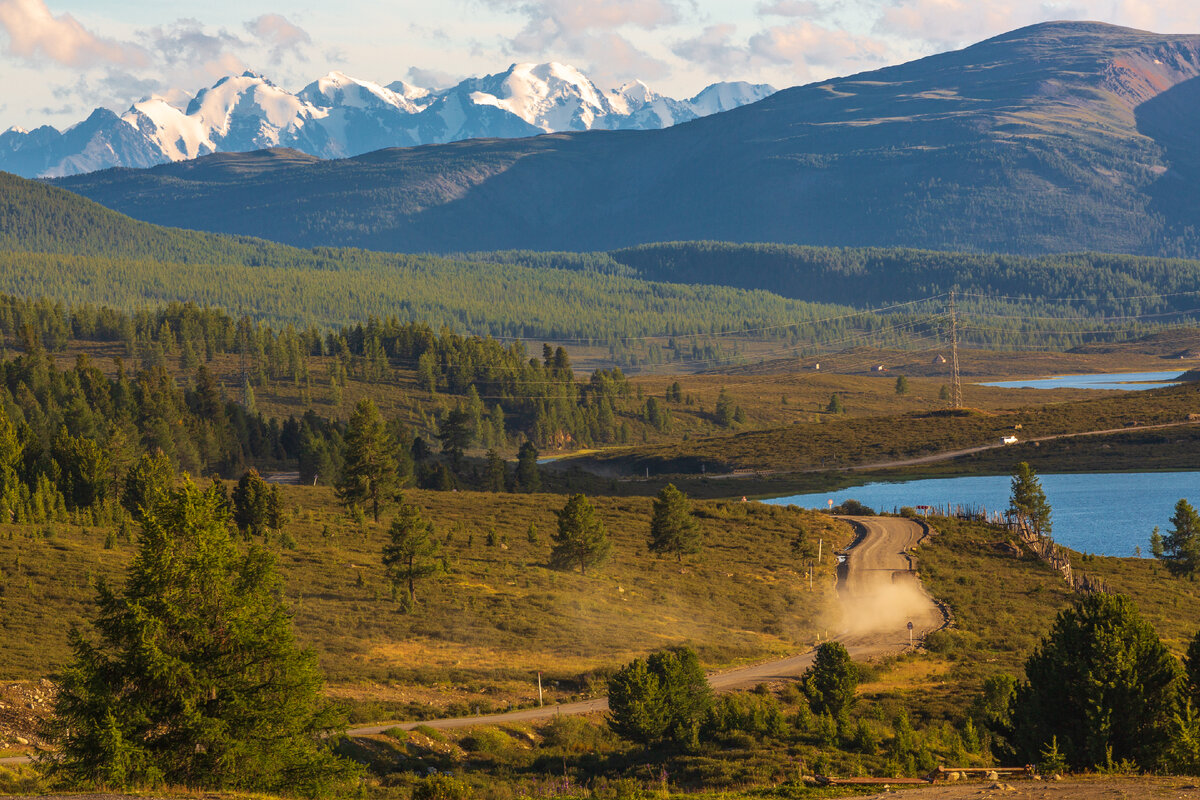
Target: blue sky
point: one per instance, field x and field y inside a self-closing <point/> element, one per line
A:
<point x="61" y="58"/>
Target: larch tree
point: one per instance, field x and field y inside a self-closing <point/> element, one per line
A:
<point x="194" y="677"/>
<point x="580" y="540"/>
<point x="673" y="529"/>
<point x="370" y="473"/>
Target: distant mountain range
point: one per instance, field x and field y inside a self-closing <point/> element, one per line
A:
<point x="1054" y="138"/>
<point x="338" y="116"/>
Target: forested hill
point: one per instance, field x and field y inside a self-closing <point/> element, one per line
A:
<point x="1093" y="283"/>
<point x="57" y="245"/>
<point x="1053" y="138"/>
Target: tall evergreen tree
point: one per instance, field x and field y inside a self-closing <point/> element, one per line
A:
<point x="1181" y="545"/>
<point x="497" y="474"/>
<point x="832" y="679"/>
<point x="529" y="477"/>
<point x="455" y="435"/>
<point x="147" y="483"/>
<point x="1100" y="684"/>
<point x="370" y="472"/>
<point x="411" y="551"/>
<point x="256" y="504"/>
<point x="580" y="540"/>
<point x="673" y="529"/>
<point x="195" y="678"/>
<point x="662" y="698"/>
<point x="1028" y="499"/>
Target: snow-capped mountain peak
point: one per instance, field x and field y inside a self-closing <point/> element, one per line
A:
<point x="339" y="90"/>
<point x="338" y="115"/>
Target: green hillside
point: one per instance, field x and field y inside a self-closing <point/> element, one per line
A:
<point x="58" y="245"/>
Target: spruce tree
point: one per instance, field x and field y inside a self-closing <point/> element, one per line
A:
<point x="411" y="552"/>
<point x="1028" y="499"/>
<point x="673" y="529"/>
<point x="580" y="540"/>
<point x="370" y="472"/>
<point x="194" y="677"/>
<point x="1181" y="545"/>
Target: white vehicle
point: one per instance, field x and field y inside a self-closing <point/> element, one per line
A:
<point x="1009" y="440"/>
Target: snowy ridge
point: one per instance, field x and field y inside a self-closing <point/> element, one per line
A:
<point x="337" y="116"/>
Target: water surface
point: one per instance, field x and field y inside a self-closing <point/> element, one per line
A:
<point x="1107" y="513"/>
<point x="1128" y="381"/>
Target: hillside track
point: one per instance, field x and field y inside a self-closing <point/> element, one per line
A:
<point x="879" y="594"/>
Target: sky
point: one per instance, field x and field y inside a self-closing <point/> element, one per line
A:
<point x="59" y="59"/>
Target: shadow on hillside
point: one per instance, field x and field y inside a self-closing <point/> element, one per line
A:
<point x="1172" y="119"/>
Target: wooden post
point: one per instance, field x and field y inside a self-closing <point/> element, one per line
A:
<point x="539" y="689"/>
<point x="820" y="549"/>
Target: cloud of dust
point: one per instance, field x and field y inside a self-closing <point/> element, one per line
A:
<point x="885" y="607"/>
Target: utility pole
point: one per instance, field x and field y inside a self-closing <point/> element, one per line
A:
<point x="957" y="397"/>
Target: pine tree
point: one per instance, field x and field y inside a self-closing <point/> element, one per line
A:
<point x="901" y="385"/>
<point x="835" y="405"/>
<point x="580" y="540"/>
<point x="1181" y="545"/>
<point x="370" y="472"/>
<point x="664" y="697"/>
<point x="195" y="677"/>
<point x="1028" y="499"/>
<point x="673" y="529"/>
<point x="411" y="552"/>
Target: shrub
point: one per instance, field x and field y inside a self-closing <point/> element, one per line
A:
<point x="442" y="787"/>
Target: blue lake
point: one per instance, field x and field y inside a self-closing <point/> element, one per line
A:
<point x="1128" y="381"/>
<point x="1105" y="513"/>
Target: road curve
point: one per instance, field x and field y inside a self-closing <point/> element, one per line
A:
<point x="879" y="595"/>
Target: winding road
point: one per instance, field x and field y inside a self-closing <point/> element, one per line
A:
<point x="879" y="595"/>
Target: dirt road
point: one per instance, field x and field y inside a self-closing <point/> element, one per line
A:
<point x="879" y="596"/>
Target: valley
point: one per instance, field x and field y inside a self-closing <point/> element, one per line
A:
<point x="520" y="438"/>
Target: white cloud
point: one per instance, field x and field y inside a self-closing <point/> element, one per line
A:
<point x="591" y="34"/>
<point x="36" y="35"/>
<point x="791" y="8"/>
<point x="284" y="37"/>
<point x="798" y="50"/>
<point x="941" y="24"/>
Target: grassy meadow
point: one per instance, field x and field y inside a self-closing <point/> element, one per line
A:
<point x="496" y="616"/>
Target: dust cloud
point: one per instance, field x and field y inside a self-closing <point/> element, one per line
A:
<point x="885" y="605"/>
